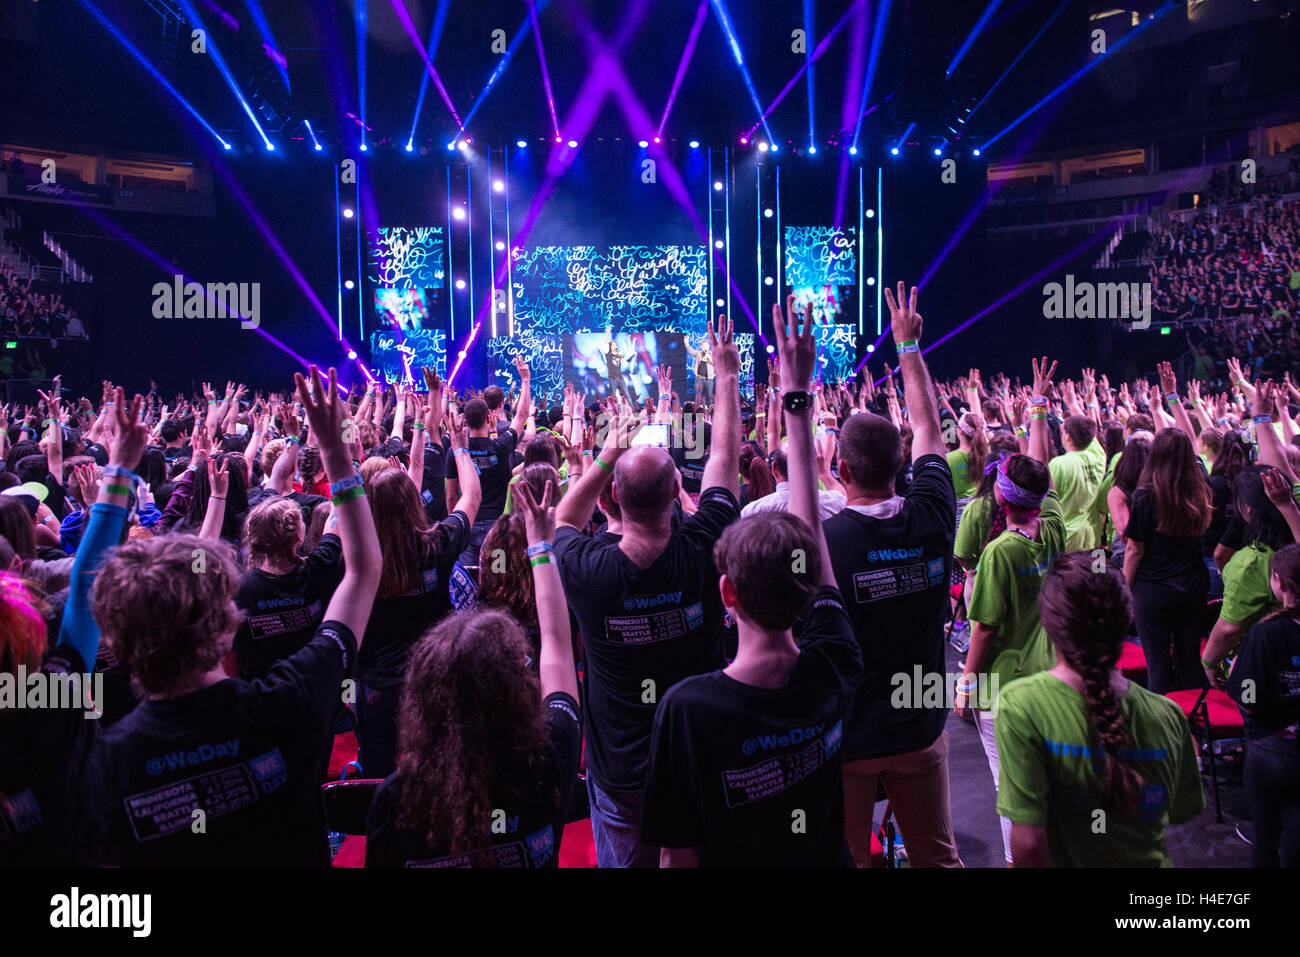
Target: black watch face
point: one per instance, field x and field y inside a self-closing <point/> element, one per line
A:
<point x="797" y="401"/>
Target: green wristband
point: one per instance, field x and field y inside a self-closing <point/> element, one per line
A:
<point x="118" y="489"/>
<point x="603" y="464"/>
<point x="347" y="495"/>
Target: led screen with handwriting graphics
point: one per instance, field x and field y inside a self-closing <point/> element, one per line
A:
<point x="406" y="257"/>
<point x="563" y="289"/>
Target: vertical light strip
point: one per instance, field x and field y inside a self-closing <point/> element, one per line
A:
<point x="361" y="279"/>
<point x="492" y="249"/>
<point x="726" y="200"/>
<point x="862" y="259"/>
<point x="758" y="225"/>
<point x="880" y="241"/>
<point x="469" y="223"/>
<point x="450" y="281"/>
<point x="708" y="184"/>
<point x="510" y="251"/>
<point x="780" y="241"/>
<point x="338" y="245"/>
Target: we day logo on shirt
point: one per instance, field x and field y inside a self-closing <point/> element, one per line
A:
<point x="74" y="910"/>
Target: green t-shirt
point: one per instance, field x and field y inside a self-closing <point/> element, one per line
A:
<point x="1247" y="591"/>
<point x="559" y="491"/>
<point x="963" y="483"/>
<point x="1005" y="597"/>
<point x="973" y="531"/>
<point x="1050" y="776"/>
<point x="1100" y="507"/>
<point x="1076" y="477"/>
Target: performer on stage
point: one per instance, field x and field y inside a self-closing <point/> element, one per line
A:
<point x="614" y="365"/>
<point x="703" y="372"/>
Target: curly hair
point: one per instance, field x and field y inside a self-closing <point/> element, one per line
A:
<point x="167" y="608"/>
<point x="272" y="532"/>
<point x="1087" y="614"/>
<point x="463" y="755"/>
<point x="509" y="585"/>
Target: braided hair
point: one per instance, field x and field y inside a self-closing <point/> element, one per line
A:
<point x="1087" y="613"/>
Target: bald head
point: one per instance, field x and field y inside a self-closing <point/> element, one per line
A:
<point x="645" y="483"/>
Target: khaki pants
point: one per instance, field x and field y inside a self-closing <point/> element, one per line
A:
<point x="916" y="784"/>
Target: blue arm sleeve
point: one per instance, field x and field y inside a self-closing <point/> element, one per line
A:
<point x="78" y="627"/>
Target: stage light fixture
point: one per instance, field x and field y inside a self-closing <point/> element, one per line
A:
<point x="744" y="141"/>
<point x="521" y="144"/>
<point x="717" y="184"/>
<point x="762" y="147"/>
<point x="812" y="151"/>
<point x="871" y="280"/>
<point x="767" y="281"/>
<point x="658" y="140"/>
<point x="499" y="186"/>
<point x="721" y="303"/>
<point x="643" y="144"/>
<point x="975" y="152"/>
<point x="458" y="213"/>
<point x="347" y="212"/>
<point x="853" y="151"/>
<point x="349" y="284"/>
<point x="226" y="145"/>
<point x="364" y="147"/>
<point x="464" y="146"/>
<point x="767" y="213"/>
<point x="410" y="147"/>
<point x="462" y="353"/>
<point x="870" y="348"/>
<point x="501" y="246"/>
<point x="774" y="148"/>
<point x="559" y="139"/>
<point x="893" y="151"/>
<point x="695" y="144"/>
<point x="451" y="145"/>
<point x="318" y="147"/>
<point x="871" y="213"/>
<point x="938" y="151"/>
<point x="717" y="244"/>
<point x="352" y="354"/>
<point x="771" y="348"/>
<point x="460" y="283"/>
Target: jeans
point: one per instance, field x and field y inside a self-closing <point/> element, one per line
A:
<point x="616" y="827"/>
<point x="916" y="784"/>
<point x="377" y="728"/>
<point x="704" y="390"/>
<point x="1168" y="617"/>
<point x="984" y="722"/>
<point x="1216" y="580"/>
<point x="1272" y="779"/>
<point x="477" y="534"/>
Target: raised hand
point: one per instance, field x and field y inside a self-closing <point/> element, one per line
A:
<point x="773" y="374"/>
<point x="130" y="437"/>
<point x="795" y="343"/>
<point x="219" y="478"/>
<point x="539" y="517"/>
<point x="726" y="358"/>
<point x="1043" y="376"/>
<point x="904" y="319"/>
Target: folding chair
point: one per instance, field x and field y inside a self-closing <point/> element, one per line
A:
<point x="1211" y="715"/>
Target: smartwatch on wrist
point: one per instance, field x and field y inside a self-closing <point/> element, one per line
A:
<point x="797" y="401"/>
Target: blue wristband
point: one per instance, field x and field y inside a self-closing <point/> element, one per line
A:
<point x="1263" y="419"/>
<point x="540" y="548"/>
<point x="343" y="484"/>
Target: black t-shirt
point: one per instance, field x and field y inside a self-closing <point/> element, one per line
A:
<point x="1173" y="561"/>
<point x="533" y="823"/>
<point x="305" y="501"/>
<point x="894" y="575"/>
<point x="43" y="754"/>
<point x="491" y="457"/>
<point x="690" y="462"/>
<point x="433" y="487"/>
<point x="1270" y="658"/>
<point x="1221" y="489"/>
<point x="397" y="622"/>
<point x="659" y="625"/>
<point x="282" y="612"/>
<point x="751" y="776"/>
<point x="246" y="754"/>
